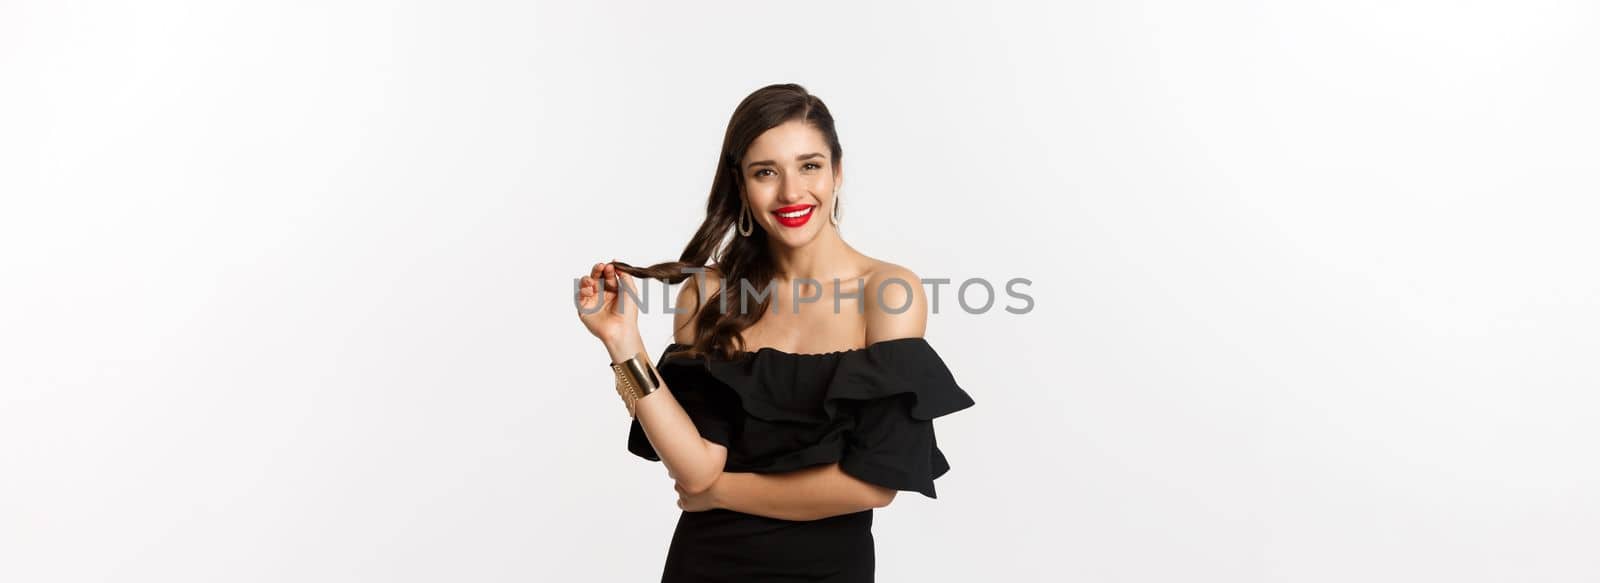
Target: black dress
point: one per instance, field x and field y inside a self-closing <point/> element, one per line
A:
<point x="869" y="409"/>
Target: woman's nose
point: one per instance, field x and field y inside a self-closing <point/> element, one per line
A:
<point x="792" y="194"/>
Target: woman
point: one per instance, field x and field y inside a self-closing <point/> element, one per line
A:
<point x="801" y="391"/>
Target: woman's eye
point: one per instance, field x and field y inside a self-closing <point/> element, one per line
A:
<point x="807" y="164"/>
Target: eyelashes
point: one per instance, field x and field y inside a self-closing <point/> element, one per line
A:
<point x="758" y="172"/>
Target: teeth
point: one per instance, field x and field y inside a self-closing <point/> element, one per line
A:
<point x="796" y="214"/>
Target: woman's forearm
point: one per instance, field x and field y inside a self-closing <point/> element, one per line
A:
<point x="691" y="461"/>
<point x="807" y="494"/>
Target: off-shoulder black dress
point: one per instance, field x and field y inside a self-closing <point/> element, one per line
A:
<point x="869" y="409"/>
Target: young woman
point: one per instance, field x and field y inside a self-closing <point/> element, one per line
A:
<point x="801" y="391"/>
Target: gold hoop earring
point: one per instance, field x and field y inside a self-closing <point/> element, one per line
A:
<point x="833" y="216"/>
<point x="744" y="213"/>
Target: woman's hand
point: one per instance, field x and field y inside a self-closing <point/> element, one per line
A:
<point x="609" y="313"/>
<point x="697" y="502"/>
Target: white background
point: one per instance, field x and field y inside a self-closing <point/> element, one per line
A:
<point x="286" y="285"/>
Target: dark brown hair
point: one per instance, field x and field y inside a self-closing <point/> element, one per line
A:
<point x="719" y="328"/>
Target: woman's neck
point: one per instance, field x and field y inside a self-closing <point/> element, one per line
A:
<point x="823" y="259"/>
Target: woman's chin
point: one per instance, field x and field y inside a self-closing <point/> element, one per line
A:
<point x="795" y="238"/>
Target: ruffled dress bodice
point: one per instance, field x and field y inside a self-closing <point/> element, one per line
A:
<point x="869" y="409"/>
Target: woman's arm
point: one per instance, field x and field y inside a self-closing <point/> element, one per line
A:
<point x="811" y="493"/>
<point x="692" y="461"/>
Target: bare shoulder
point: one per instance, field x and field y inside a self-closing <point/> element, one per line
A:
<point x="691" y="296"/>
<point x="896" y="305"/>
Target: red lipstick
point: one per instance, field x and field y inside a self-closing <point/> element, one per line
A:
<point x="794" y="215"/>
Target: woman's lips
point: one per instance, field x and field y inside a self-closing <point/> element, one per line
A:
<point x="794" y="215"/>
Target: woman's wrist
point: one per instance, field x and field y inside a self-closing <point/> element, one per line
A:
<point x="717" y="494"/>
<point x="626" y="347"/>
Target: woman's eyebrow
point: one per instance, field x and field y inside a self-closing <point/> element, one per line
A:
<point x="796" y="158"/>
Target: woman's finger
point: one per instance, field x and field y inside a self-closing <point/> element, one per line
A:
<point x="586" y="293"/>
<point x="627" y="281"/>
<point x="624" y="282"/>
<point x="609" y="275"/>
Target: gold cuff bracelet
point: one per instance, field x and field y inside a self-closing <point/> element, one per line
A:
<point x="635" y="379"/>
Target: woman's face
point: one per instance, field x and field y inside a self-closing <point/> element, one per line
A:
<point x="789" y="180"/>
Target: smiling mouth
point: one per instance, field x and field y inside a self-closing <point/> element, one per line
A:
<point x="794" y="215"/>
